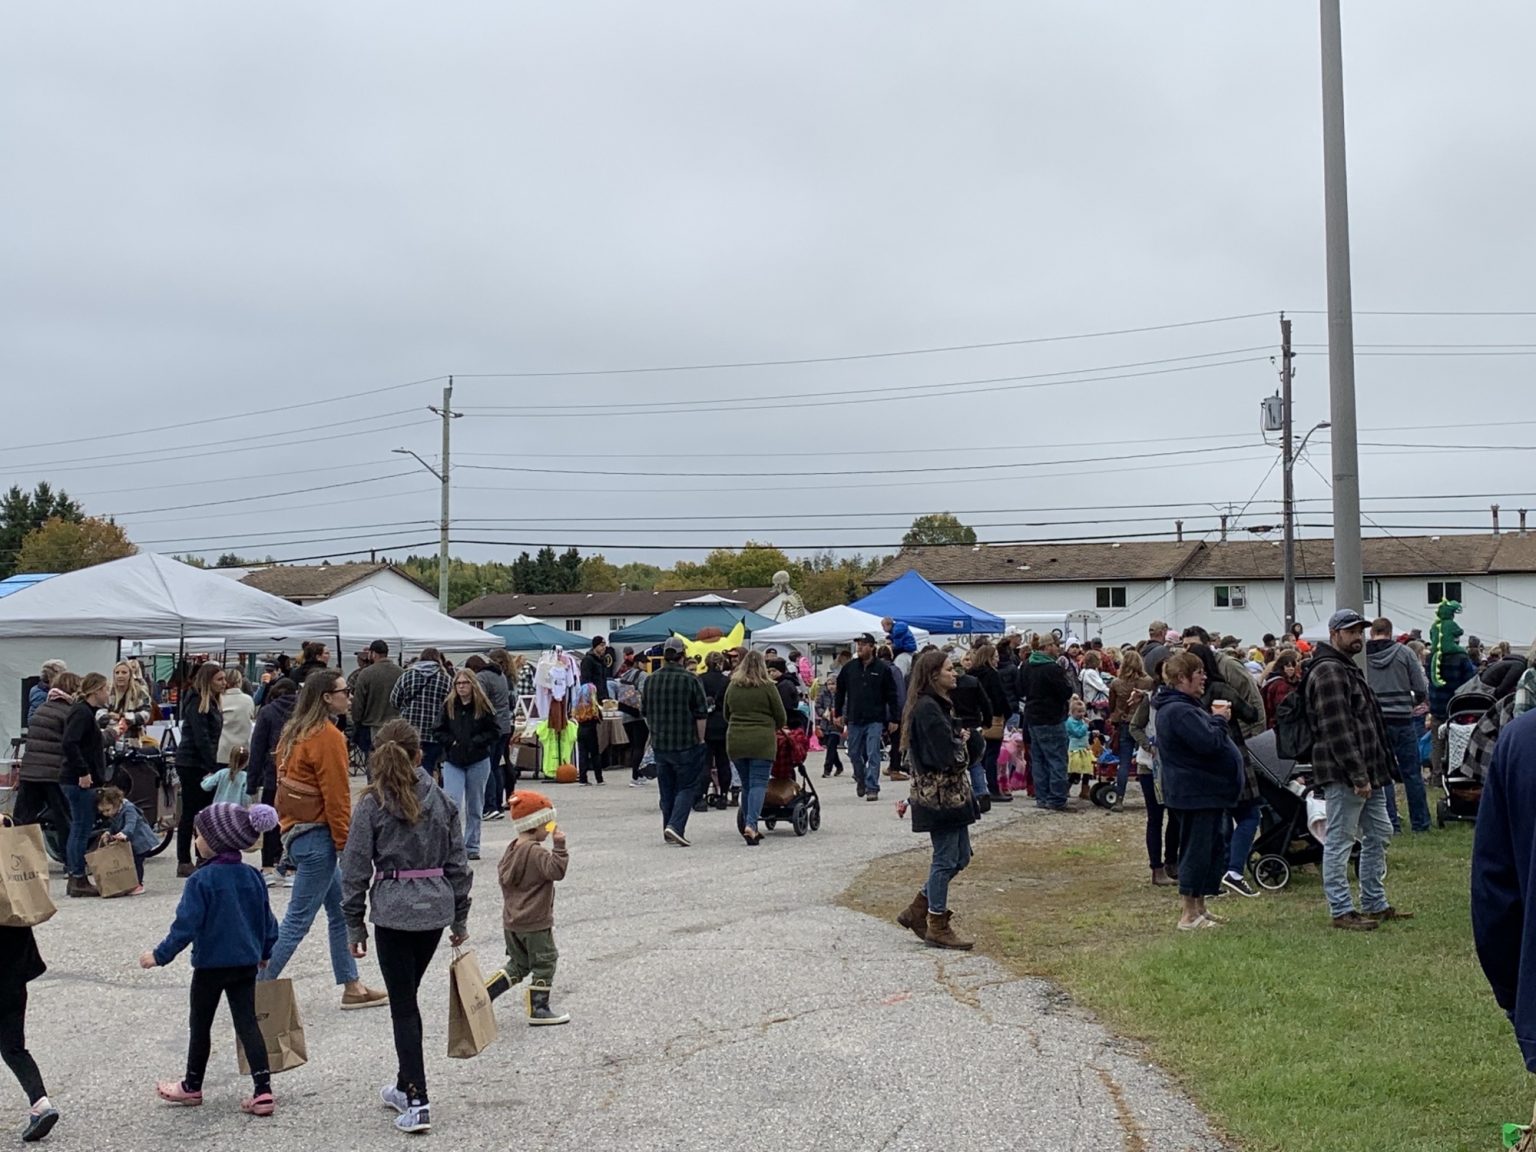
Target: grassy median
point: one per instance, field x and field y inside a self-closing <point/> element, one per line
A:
<point x="1291" y="1035"/>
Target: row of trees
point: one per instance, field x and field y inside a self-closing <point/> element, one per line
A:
<point x="46" y="531"/>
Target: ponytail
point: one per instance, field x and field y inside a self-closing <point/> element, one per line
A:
<point x="392" y="772"/>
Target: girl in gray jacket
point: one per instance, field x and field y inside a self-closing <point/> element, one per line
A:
<point x="407" y="842"/>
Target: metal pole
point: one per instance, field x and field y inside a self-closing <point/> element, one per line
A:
<point x="442" y="526"/>
<point x="1288" y="461"/>
<point x="1348" y="577"/>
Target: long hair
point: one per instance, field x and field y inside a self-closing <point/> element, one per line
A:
<point x="983" y="653"/>
<point x="1207" y="658"/>
<point x="922" y="682"/>
<point x="136" y="697"/>
<point x="310" y="714"/>
<point x="392" y="777"/>
<point x="92" y="682"/>
<point x="503" y="660"/>
<point x="202" y="685"/>
<point x="477" y="697"/>
<point x="1132" y="667"/>
<point x="752" y="671"/>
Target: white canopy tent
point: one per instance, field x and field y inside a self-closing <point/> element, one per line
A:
<point x="839" y="624"/>
<point x="405" y="625"/>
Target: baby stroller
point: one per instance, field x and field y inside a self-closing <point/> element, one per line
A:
<point x="1463" y="775"/>
<point x="1284" y="841"/>
<point x="791" y="796"/>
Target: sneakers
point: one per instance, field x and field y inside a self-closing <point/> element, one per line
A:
<point x="139" y="891"/>
<point x="634" y="783"/>
<point x="498" y="985"/>
<point x="367" y="998"/>
<point x="475" y="855"/>
<point x="492" y="814"/>
<point x="392" y="1097"/>
<point x="672" y="836"/>
<point x="40" y="1122"/>
<point x="1354" y="922"/>
<point x="417" y="1119"/>
<point x="1234" y="882"/>
<point x="271" y="879"/>
<point x="872" y="797"/>
<point x="172" y="1092"/>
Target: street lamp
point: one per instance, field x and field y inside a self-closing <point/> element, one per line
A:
<point x="442" y="529"/>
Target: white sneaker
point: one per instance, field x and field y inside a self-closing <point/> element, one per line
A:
<point x="271" y="879"/>
<point x="634" y="783"/>
<point x="417" y="1119"/>
<point x="392" y="1097"/>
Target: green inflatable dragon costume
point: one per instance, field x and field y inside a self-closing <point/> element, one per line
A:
<point x="1444" y="637"/>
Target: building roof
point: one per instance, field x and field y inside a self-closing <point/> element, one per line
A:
<point x="1454" y="554"/>
<point x="561" y="606"/>
<point x="316" y="581"/>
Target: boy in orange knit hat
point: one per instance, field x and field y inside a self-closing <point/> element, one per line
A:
<point x="527" y="873"/>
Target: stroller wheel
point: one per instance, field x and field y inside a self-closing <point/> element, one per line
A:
<point x="1442" y="810"/>
<point x="770" y="822"/>
<point x="1103" y="794"/>
<point x="1272" y="873"/>
<point x="814" y="814"/>
<point x="800" y="818"/>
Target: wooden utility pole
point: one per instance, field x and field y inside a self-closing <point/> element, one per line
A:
<point x="1288" y="461"/>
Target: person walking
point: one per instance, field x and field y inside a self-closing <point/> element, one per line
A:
<point x="941" y="802"/>
<point x="39" y="789"/>
<point x="866" y="705"/>
<point x="467" y="732"/>
<point x="831" y="732"/>
<point x="261" y="770"/>
<point x="1047" y="696"/>
<point x="1352" y="763"/>
<point x="1202" y="775"/>
<point x="197" y="753"/>
<point x="1397" y="678"/>
<point x="593" y="672"/>
<point x="20" y="964"/>
<point x="85" y="770"/>
<point x="405" y="856"/>
<point x="372" y="707"/>
<point x="676" y="710"/>
<point x="237" y="715"/>
<point x="754" y="712"/>
<point x="418" y="696"/>
<point x="314" y="806"/>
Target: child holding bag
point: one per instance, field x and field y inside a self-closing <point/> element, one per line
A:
<point x="225" y="916"/>
<point x="127" y="823"/>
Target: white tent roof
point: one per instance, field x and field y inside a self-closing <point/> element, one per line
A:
<point x="712" y="598"/>
<point x="518" y="619"/>
<point x="836" y="625"/>
<point x="369" y="614"/>
<point x="148" y="597"/>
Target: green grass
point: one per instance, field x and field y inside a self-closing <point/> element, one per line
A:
<point x="1289" y="1034"/>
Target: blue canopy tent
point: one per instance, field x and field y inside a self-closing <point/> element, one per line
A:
<point x="917" y="602"/>
<point x="687" y="620"/>
<point x="527" y="634"/>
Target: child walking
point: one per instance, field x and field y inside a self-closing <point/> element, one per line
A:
<point x="128" y="823"/>
<point x="1079" y="755"/>
<point x="21" y="963"/>
<point x="527" y="873"/>
<point x="228" y="783"/>
<point x="225" y="916"/>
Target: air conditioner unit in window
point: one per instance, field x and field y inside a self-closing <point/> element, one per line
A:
<point x="1236" y="599"/>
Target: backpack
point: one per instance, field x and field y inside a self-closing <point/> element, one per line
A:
<point x="1293" y="727"/>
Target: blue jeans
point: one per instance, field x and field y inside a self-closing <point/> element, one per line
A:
<point x="82" y="818"/>
<point x="1403" y="737"/>
<point x="754" y="783"/>
<point x="1048" y="764"/>
<point x="865" y="750"/>
<point x="1245" y="818"/>
<point x="951" y="853"/>
<point x="979" y="779"/>
<point x="1349" y="815"/>
<point x="678" y="775"/>
<point x="465" y="786"/>
<point x="316" y="883"/>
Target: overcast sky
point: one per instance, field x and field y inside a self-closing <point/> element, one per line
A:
<point x="213" y="210"/>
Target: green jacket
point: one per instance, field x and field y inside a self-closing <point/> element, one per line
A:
<point x="753" y="717"/>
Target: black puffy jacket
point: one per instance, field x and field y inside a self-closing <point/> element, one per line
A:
<point x="198" y="746"/>
<point x="43" y="760"/>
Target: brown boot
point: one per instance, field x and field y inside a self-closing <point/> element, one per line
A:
<point x="80" y="886"/>
<point x="1161" y="879"/>
<point x="1086" y="791"/>
<point x="914" y="916"/>
<point x="941" y="935"/>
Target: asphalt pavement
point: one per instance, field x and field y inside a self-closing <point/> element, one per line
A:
<point x="720" y="999"/>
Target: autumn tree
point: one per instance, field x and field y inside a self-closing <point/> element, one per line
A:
<point x="938" y="528"/>
<point x="22" y="513"/>
<point x="61" y="545"/>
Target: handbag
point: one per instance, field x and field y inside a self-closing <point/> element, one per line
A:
<point x="298" y="801"/>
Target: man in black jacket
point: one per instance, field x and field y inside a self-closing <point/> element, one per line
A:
<point x="866" y="700"/>
<point x="1047" y="693"/>
<point x="594" y="671"/>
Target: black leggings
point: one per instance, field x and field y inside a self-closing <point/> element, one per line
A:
<point x="1162" y="843"/>
<point x="13" y="1043"/>
<point x="834" y="762"/>
<point x="238" y="986"/>
<point x="720" y="765"/>
<point x="403" y="960"/>
<point x="591" y="759"/>
<point x="271" y="842"/>
<point x="193" y="801"/>
<point x="989" y="756"/>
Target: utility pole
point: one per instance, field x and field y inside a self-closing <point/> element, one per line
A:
<point x="443" y="475"/>
<point x="1287" y="462"/>
<point x="1348" y="577"/>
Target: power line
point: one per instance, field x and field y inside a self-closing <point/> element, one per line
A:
<point x="266" y="495"/>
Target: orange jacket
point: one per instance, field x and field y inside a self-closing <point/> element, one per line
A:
<point x="320" y="762"/>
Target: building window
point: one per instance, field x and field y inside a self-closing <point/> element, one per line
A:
<point x="1112" y="596"/>
<point x="480" y="624"/>
<point x="1444" y="590"/>
<point x="1231" y="595"/>
<point x="573" y="626"/>
<point x="1368" y="595"/>
<point x="617" y="622"/>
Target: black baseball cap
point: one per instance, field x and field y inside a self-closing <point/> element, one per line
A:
<point x="1346" y="620"/>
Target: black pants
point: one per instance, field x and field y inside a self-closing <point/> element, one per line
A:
<point x="13" y="1043"/>
<point x="638" y="732"/>
<point x="834" y="761"/>
<point x="720" y="765"/>
<point x="495" y="786"/>
<point x="403" y="960"/>
<point x="38" y="798"/>
<point x="1202" y="850"/>
<point x="1162" y="837"/>
<point x="238" y="986"/>
<point x="989" y="756"/>
<point x="193" y="801"/>
<point x="271" y="842"/>
<point x="586" y="744"/>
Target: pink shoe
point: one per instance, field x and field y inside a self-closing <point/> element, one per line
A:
<point x="263" y="1105"/>
<point x="172" y="1092"/>
<point x="139" y="891"/>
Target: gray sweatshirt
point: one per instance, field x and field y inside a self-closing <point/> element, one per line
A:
<point x="381" y="842"/>
<point x="1396" y="678"/>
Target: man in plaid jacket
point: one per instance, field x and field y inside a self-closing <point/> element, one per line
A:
<point x="419" y="695"/>
<point x="1352" y="762"/>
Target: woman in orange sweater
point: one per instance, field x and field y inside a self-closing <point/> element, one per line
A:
<point x="314" y="808"/>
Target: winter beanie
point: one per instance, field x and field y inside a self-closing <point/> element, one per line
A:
<point x="231" y="828"/>
<point x="530" y="810"/>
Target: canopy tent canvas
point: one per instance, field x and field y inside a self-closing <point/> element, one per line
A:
<point x="22" y="659"/>
<point x="530" y="634"/>
<point x="688" y="620"/>
<point x="839" y="624"/>
<point x="407" y="626"/>
<point x="920" y="604"/>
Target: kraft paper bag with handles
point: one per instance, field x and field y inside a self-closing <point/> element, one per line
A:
<point x="111" y="866"/>
<point x="277" y="1012"/>
<point x="24" y="899"/>
<point x="471" y="1019"/>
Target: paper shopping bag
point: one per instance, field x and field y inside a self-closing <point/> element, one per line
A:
<point x="24" y="899"/>
<point x="111" y="866"/>
<point x="471" y="1019"/>
<point x="277" y="1012"/>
